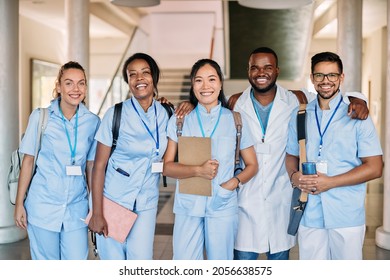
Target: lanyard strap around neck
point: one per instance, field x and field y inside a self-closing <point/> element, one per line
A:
<point x="71" y="148"/>
<point x="156" y="141"/>
<point x="200" y="121"/>
<point x="327" y="125"/>
<point x="262" y="126"/>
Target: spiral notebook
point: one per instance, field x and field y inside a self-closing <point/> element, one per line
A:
<point x="119" y="219"/>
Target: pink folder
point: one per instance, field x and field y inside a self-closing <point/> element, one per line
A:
<point x="119" y="219"/>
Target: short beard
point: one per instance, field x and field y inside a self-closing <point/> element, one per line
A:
<point x="330" y="96"/>
<point x="262" y="90"/>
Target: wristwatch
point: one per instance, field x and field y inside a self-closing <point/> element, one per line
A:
<point x="239" y="182"/>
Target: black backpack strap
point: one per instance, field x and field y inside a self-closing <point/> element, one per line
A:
<point x="169" y="108"/>
<point x="116" y="123"/>
<point x="301" y="131"/>
<point x="301" y="122"/>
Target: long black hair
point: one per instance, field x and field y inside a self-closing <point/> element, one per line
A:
<point x="195" y="68"/>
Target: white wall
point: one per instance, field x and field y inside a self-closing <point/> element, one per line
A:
<point x="374" y="76"/>
<point x="105" y="56"/>
<point x="178" y="40"/>
<point x="40" y="42"/>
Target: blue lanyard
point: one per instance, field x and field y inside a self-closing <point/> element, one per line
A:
<point x="200" y="121"/>
<point x="157" y="141"/>
<point x="72" y="149"/>
<point x="262" y="126"/>
<point x="327" y="125"/>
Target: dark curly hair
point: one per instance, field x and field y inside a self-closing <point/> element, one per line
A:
<point x="152" y="64"/>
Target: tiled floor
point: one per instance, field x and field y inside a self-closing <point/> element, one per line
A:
<point x="163" y="238"/>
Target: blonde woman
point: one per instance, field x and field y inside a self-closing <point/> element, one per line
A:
<point x="58" y="196"/>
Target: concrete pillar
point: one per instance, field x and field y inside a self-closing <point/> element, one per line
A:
<point x="77" y="20"/>
<point x="382" y="236"/>
<point x="349" y="42"/>
<point x="9" y="112"/>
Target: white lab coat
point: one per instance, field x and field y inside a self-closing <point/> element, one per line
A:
<point x="264" y="201"/>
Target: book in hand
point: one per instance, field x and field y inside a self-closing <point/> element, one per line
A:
<point x="119" y="219"/>
<point x="194" y="151"/>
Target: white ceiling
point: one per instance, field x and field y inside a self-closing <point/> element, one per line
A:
<point x="374" y="17"/>
<point x="51" y="12"/>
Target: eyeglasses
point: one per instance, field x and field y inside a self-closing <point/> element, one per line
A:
<point x="332" y="77"/>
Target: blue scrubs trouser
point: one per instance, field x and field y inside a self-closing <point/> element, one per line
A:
<point x="243" y="255"/>
<point x="194" y="236"/>
<point x="63" y="245"/>
<point x="138" y="244"/>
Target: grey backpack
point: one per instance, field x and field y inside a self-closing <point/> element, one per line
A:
<point x="17" y="158"/>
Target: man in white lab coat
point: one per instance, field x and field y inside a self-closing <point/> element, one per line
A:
<point x="264" y="201"/>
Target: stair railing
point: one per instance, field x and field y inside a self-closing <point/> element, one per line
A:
<point x="118" y="68"/>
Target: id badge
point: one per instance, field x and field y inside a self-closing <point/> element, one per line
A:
<point x="322" y="166"/>
<point x="263" y="148"/>
<point x="73" y="170"/>
<point x="157" y="167"/>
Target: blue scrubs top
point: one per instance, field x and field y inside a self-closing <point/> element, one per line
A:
<point x="344" y="142"/>
<point x="223" y="145"/>
<point x="56" y="200"/>
<point x="135" y="152"/>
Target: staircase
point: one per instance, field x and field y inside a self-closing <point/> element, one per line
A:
<point x="174" y="85"/>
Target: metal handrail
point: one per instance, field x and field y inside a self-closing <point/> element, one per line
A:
<point x="117" y="70"/>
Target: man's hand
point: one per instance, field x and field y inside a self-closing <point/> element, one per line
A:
<point x="184" y="109"/>
<point x="357" y="108"/>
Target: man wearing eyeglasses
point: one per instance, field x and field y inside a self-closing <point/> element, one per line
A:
<point x="264" y="201"/>
<point x="347" y="155"/>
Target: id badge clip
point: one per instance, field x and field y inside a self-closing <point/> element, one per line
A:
<point x="263" y="148"/>
<point x="73" y="170"/>
<point x="157" y="167"/>
<point x="322" y="166"/>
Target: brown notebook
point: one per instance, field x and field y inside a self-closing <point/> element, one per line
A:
<point x="119" y="219"/>
<point x="194" y="151"/>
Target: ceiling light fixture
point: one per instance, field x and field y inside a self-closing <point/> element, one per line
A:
<point x="274" y="4"/>
<point x="136" y="3"/>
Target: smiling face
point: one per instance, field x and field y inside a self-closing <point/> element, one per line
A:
<point x="325" y="88"/>
<point x="140" y="80"/>
<point x="262" y="72"/>
<point x="72" y="87"/>
<point x="207" y="86"/>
